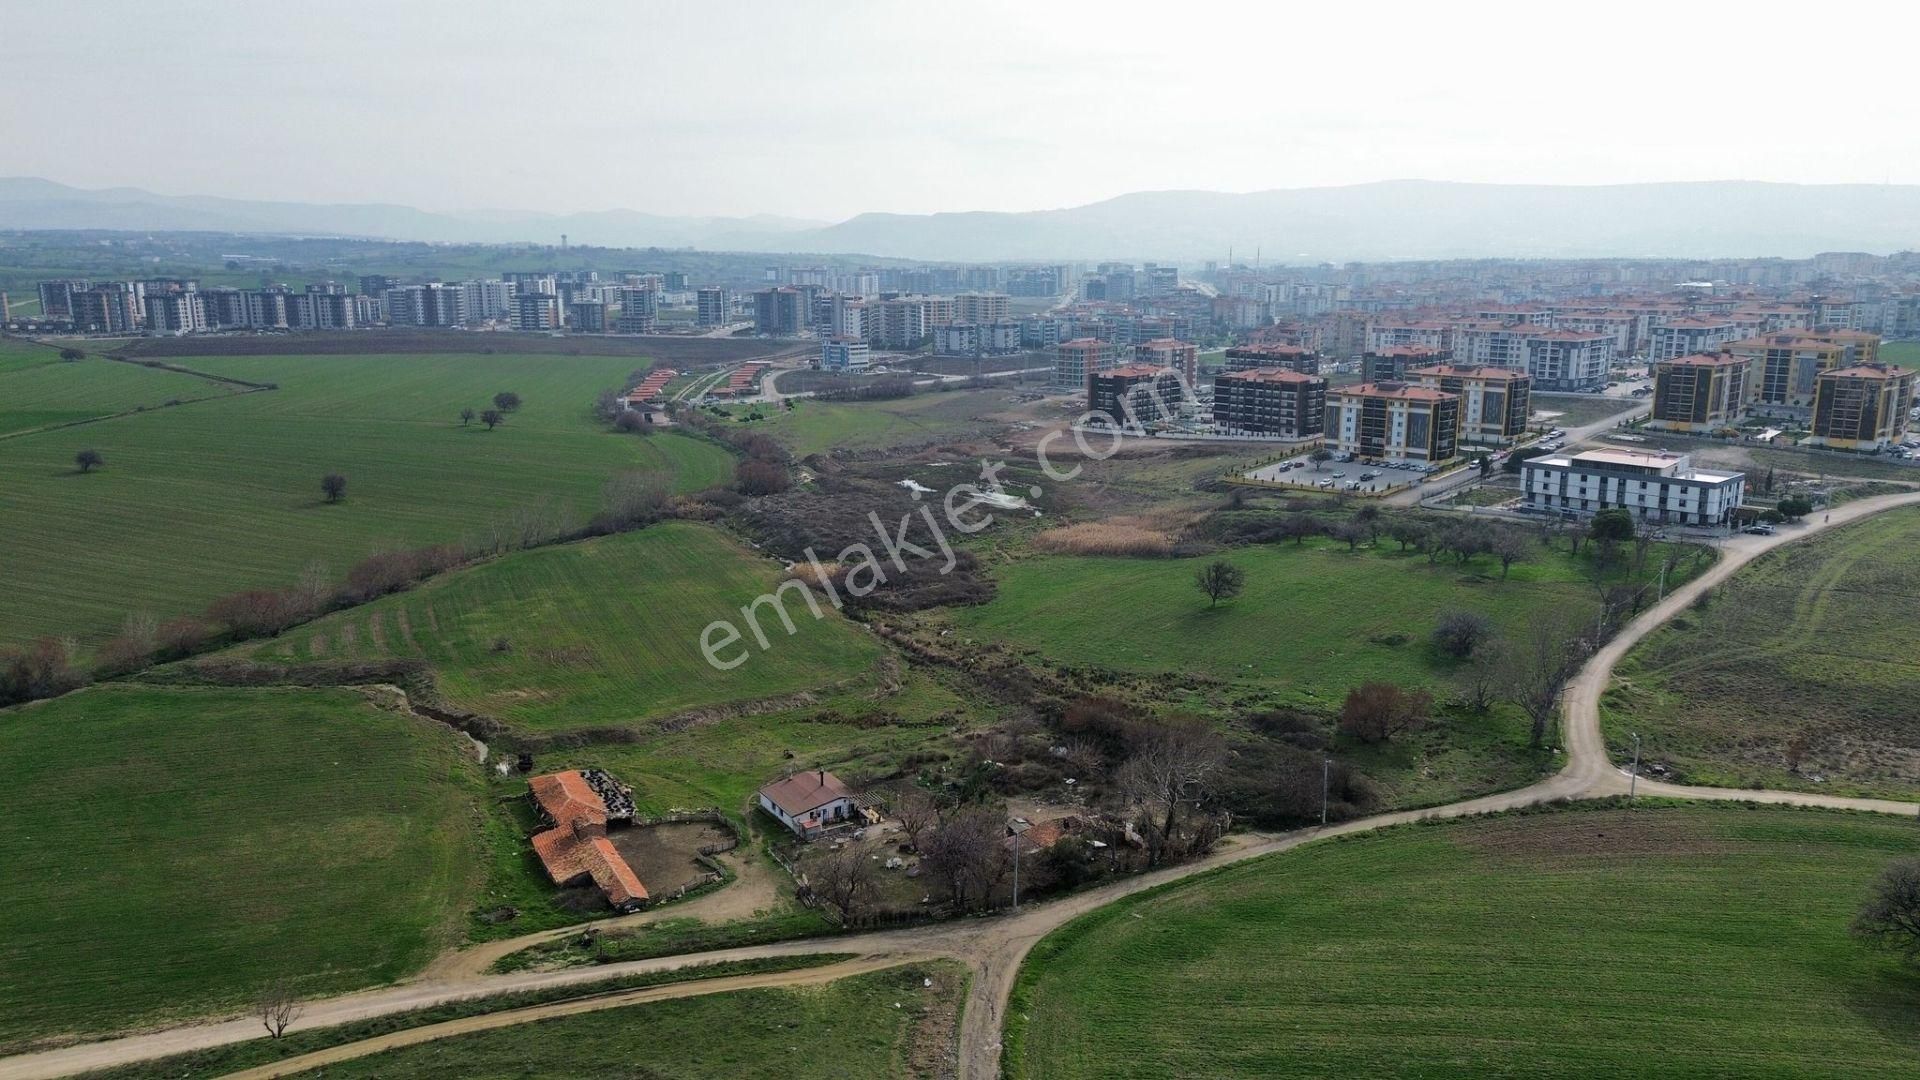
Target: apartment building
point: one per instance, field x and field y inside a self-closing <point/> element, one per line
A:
<point x="1690" y="336"/>
<point x="1074" y="360"/>
<point x="1494" y="402"/>
<point x="980" y="307"/>
<point x="844" y="354"/>
<point x="487" y="300"/>
<point x="1289" y="357"/>
<point x="536" y="312"/>
<point x="56" y="298"/>
<point x="1699" y="393"/>
<point x="1425" y="334"/>
<point x="1393" y="420"/>
<point x="434" y="304"/>
<point x="1863" y="408"/>
<point x="852" y="317"/>
<point x="639" y="310"/>
<point x="1494" y="344"/>
<point x="319" y="308"/>
<point x="1275" y="402"/>
<point x="1783" y="367"/>
<point x="175" y="311"/>
<point x="112" y="307"/>
<point x="1135" y="396"/>
<point x="587" y="316"/>
<point x="781" y="312"/>
<point x="1657" y="487"/>
<point x="1617" y="325"/>
<point x="1569" y="360"/>
<point x="712" y="307"/>
<point x="1392" y="364"/>
<point x="1181" y="356"/>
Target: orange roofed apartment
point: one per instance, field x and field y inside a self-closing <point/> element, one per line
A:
<point x="579" y="804"/>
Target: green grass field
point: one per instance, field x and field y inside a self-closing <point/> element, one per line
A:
<point x="167" y="852"/>
<point x="1592" y="942"/>
<point x="204" y="499"/>
<point x="1812" y="639"/>
<point x="1576" y="410"/>
<point x="844" y="1030"/>
<point x="1313" y="622"/>
<point x="39" y="390"/>
<point x="600" y="633"/>
<point x="817" y="427"/>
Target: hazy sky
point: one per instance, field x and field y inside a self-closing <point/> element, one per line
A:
<point x="827" y="109"/>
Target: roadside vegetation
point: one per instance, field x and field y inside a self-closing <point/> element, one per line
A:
<point x="1797" y="673"/>
<point x="1593" y="940"/>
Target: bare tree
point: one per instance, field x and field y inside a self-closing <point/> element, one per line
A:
<point x="1458" y="633"/>
<point x="466" y="417"/>
<point x="492" y="418"/>
<point x="918" y="810"/>
<point x="1220" y="580"/>
<point x="1891" y="916"/>
<point x="635" y="497"/>
<point x="334" y="486"/>
<point x="1172" y="764"/>
<point x="1351" y="531"/>
<point x="1377" y="711"/>
<point x="1480" y="676"/>
<point x="1538" y="666"/>
<point x="843" y="879"/>
<point x="506" y="401"/>
<point x="1509" y="546"/>
<point x="88" y="460"/>
<point x="967" y="852"/>
<point x="277" y="1007"/>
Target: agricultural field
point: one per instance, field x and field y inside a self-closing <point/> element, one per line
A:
<point x="1669" y="941"/>
<point x="169" y="851"/>
<point x="204" y="499"/>
<point x="883" y="1024"/>
<point x="1806" y="652"/>
<point x="817" y="427"/>
<point x="1314" y="620"/>
<point x="39" y="390"/>
<point x="596" y="634"/>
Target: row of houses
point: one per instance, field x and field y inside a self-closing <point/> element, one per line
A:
<point x="1850" y="400"/>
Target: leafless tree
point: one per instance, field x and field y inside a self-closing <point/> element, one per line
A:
<point x="277" y="1007"/>
<point x="88" y="460"/>
<point x="968" y="854"/>
<point x="1220" y="580"/>
<point x="1459" y="633"/>
<point x="1377" y="711"/>
<point x="466" y="416"/>
<point x="843" y="879"/>
<point x="334" y="487"/>
<point x="918" y="810"/>
<point x="635" y="497"/>
<point x="1891" y="916"/>
<point x="1509" y="546"/>
<point x="1539" y="665"/>
<point x="1172" y="764"/>
<point x="1480" y="676"/>
<point x="492" y="418"/>
<point x="1352" y="532"/>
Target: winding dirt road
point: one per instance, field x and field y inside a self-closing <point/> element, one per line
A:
<point x="992" y="947"/>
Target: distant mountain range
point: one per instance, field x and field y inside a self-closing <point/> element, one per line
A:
<point x="1400" y="219"/>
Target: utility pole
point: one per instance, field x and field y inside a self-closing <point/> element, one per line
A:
<point x="1018" y="827"/>
<point x="1633" y="778"/>
<point x="1326" y="774"/>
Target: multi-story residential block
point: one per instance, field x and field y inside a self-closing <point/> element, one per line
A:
<point x="378" y="284"/>
<point x="1699" y="393"/>
<point x="6" y="309"/>
<point x="587" y="317"/>
<point x="1782" y="367"/>
<point x="1275" y="402"/>
<point x="844" y="354"/>
<point x="1387" y="333"/>
<point x="639" y="310"/>
<point x="852" y="317"/>
<point x="319" y="309"/>
<point x="1392" y="364"/>
<point x="781" y="312"/>
<point x="979" y="307"/>
<point x="712" y="306"/>
<point x="56" y="298"/>
<point x="1494" y="402"/>
<point x="1290" y="357"/>
<point x="434" y="304"/>
<point x="1393" y="420"/>
<point x="486" y="300"/>
<point x="1657" y="487"/>
<point x="1690" y="336"/>
<point x="1494" y="344"/>
<point x="1618" y="325"/>
<point x="267" y="309"/>
<point x="109" y="308"/>
<point x="1862" y="408"/>
<point x="957" y="339"/>
<point x="1134" y="396"/>
<point x="536" y="312"/>
<point x="1181" y="356"/>
<point x="175" y="311"/>
<point x="1569" y="360"/>
<point x="1074" y="360"/>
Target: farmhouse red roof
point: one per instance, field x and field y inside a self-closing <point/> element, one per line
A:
<point x="577" y="844"/>
<point x="805" y="791"/>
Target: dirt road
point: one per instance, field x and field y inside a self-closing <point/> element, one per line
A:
<point x="993" y="947"/>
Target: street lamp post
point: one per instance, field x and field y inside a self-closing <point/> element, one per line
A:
<point x="1633" y="778"/>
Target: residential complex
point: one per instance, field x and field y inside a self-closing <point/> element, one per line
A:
<point x="1699" y="393"/>
<point x="1494" y="402"/>
<point x="1658" y="487"/>
<point x="1393" y="420"/>
<point x="1181" y="356"/>
<point x="713" y="307"/>
<point x="1136" y="395"/>
<point x="1074" y="360"/>
<point x="1291" y="357"/>
<point x="1275" y="402"/>
<point x="1861" y="408"/>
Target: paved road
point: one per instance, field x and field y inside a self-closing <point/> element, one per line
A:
<point x="995" y="947"/>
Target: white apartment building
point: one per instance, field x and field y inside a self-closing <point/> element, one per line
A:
<point x="844" y="354"/>
<point x="536" y="311"/>
<point x="488" y="300"/>
<point x="980" y="307"/>
<point x="852" y="318"/>
<point x="1657" y="487"/>
<point x="1494" y="346"/>
<point x="1569" y="359"/>
<point x="1692" y="336"/>
<point x="175" y="313"/>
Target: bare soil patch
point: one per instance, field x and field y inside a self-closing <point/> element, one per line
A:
<point x="663" y="855"/>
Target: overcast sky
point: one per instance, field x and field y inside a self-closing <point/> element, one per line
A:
<point x="824" y="110"/>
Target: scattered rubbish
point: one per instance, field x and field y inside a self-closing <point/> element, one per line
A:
<point x="916" y="486"/>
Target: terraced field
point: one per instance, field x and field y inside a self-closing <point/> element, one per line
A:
<point x="1675" y="941"/>
<point x="204" y="499"/>
<point x="167" y="852"/>
<point x="601" y="633"/>
<point x="1808" y="649"/>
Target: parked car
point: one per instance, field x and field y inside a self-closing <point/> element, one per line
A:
<point x="1324" y="483"/>
<point x="1368" y="475"/>
<point x="1353" y="485"/>
<point x="1760" y="529"/>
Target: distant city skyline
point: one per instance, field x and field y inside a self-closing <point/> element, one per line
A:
<point x="826" y="112"/>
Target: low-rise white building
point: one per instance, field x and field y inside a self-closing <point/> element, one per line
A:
<point x="1653" y="486"/>
<point x="844" y="354"/>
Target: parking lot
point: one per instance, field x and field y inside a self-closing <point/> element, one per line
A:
<point x="1349" y="476"/>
